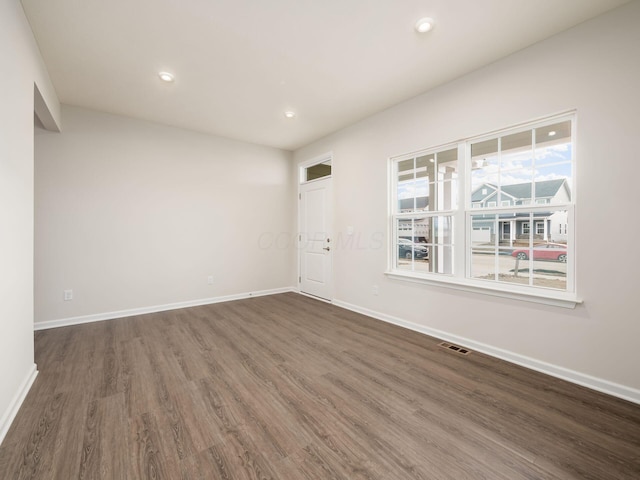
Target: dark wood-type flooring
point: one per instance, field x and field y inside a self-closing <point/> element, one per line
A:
<point x="287" y="387"/>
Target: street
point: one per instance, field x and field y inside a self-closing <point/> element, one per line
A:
<point x="551" y="274"/>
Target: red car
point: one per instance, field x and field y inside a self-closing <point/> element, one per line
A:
<point x="545" y="251"/>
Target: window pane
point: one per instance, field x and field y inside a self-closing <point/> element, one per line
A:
<point x="553" y="157"/>
<point x="425" y="244"/>
<point x="441" y="240"/>
<point x="484" y="170"/>
<point x="553" y="143"/>
<point x="406" y="200"/>
<point x="552" y="154"/>
<point x="421" y="229"/>
<point x="488" y="148"/>
<point x="553" y="183"/>
<point x="483" y="247"/>
<point x="425" y="167"/>
<point x="516" y="160"/>
<point x="558" y="226"/>
<point x="516" y="151"/>
<point x="483" y="263"/>
<point x="319" y="170"/>
<point x="405" y="246"/>
<point x="405" y="169"/>
<point x="441" y="259"/>
<point x="550" y="266"/>
<point x="512" y="269"/>
<point x="447" y="177"/>
<point x="411" y="240"/>
<point x="442" y="230"/>
<point x="447" y="163"/>
<point x="413" y="187"/>
<point x="483" y="230"/>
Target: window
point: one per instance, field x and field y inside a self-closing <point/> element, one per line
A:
<point x="479" y="234"/>
<point x="317" y="171"/>
<point x="426" y="195"/>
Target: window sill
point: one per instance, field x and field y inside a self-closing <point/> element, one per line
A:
<point x="541" y="295"/>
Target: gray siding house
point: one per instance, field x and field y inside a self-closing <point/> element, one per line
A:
<point x="548" y="226"/>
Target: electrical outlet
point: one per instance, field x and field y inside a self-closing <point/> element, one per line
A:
<point x="210" y="280"/>
<point x="375" y="290"/>
<point x="68" y="295"/>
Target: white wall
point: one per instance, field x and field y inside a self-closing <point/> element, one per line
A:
<point x="22" y="67"/>
<point x="594" y="68"/>
<point x="132" y="214"/>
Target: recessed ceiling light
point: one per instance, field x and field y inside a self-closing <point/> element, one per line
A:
<point x="552" y="133"/>
<point x="424" y="24"/>
<point x="166" y="76"/>
<point x="289" y="114"/>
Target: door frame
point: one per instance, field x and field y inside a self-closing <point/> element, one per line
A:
<point x="300" y="181"/>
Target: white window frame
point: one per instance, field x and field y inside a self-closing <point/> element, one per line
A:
<point x="415" y="215"/>
<point x="461" y="278"/>
<point x="303" y="167"/>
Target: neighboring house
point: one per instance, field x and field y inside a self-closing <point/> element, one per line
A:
<point x="546" y="226"/>
<point x="488" y="195"/>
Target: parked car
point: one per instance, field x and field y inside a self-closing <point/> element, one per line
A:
<point x="544" y="251"/>
<point x="409" y="249"/>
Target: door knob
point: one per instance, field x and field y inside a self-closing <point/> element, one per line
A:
<point x="326" y="248"/>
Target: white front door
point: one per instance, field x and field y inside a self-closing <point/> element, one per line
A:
<point x="315" y="238"/>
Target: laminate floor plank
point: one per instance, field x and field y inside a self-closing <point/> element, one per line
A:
<point x="288" y="387"/>
<point x="575" y="442"/>
<point x="320" y="461"/>
<point x="258" y="418"/>
<point x="391" y="428"/>
<point x="202" y="418"/>
<point x="149" y="460"/>
<point x="105" y="446"/>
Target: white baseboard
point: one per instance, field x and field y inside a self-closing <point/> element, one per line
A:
<point x="98" y="317"/>
<point x="10" y="414"/>
<point x="594" y="383"/>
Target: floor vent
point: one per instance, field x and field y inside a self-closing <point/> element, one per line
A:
<point x="455" y="348"/>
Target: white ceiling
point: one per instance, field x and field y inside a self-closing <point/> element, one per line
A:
<point x="239" y="64"/>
